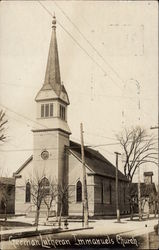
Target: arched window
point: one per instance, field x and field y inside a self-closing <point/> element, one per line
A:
<point x="79" y="191"/>
<point x="28" y="192"/>
<point x="45" y="185"/>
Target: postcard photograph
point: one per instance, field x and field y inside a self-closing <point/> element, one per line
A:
<point x="79" y="125"/>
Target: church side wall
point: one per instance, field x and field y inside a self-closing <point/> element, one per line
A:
<point x="105" y="196"/>
<point x="21" y="206"/>
<point x="75" y="174"/>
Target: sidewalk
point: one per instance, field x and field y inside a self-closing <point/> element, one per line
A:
<point x="27" y="231"/>
<point x="127" y="227"/>
<point x="98" y="227"/>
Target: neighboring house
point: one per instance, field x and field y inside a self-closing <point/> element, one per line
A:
<point x="148" y="194"/>
<point x="7" y="195"/>
<point x="56" y="157"/>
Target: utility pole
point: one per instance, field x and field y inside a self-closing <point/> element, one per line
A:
<point x="139" y="185"/>
<point x="139" y="109"/>
<point x="117" y="191"/>
<point x="139" y="195"/>
<point x="84" y="188"/>
<point x="157" y="127"/>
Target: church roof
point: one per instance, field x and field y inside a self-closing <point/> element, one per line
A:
<point x="23" y="165"/>
<point x="96" y="161"/>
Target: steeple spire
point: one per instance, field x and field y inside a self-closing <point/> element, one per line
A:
<point x="52" y="83"/>
<point x="52" y="75"/>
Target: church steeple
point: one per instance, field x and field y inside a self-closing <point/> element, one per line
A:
<point x="52" y="79"/>
<point x="52" y="99"/>
<point x="51" y="134"/>
<point x="52" y="75"/>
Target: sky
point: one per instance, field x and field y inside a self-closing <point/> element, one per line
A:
<point x="106" y="49"/>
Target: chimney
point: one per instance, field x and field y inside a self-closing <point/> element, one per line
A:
<point x="148" y="177"/>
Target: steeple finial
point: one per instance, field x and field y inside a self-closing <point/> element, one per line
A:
<point x="54" y="21"/>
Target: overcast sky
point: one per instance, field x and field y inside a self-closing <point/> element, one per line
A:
<point x="101" y="79"/>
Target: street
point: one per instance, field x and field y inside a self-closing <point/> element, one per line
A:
<point x="104" y="234"/>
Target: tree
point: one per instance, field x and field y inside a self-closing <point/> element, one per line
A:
<point x="51" y="197"/>
<point x="138" y="149"/>
<point x="63" y="198"/>
<point x="5" y="189"/>
<point x="3" y="121"/>
<point x="39" y="189"/>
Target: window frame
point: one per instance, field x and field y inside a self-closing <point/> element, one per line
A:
<point x="62" y="112"/>
<point x="45" y="184"/>
<point x="27" y="198"/>
<point x="42" y="110"/>
<point x="51" y="111"/>
<point x="47" y="110"/>
<point x="77" y="192"/>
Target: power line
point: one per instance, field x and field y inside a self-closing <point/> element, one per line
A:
<point x="85" y="38"/>
<point x="50" y="148"/>
<point x="47" y="127"/>
<point x="27" y="118"/>
<point x="100" y="135"/>
<point x="15" y="85"/>
<point x="107" y="151"/>
<point x="85" y="51"/>
<point x="87" y="42"/>
<point x="25" y="149"/>
<point x="102" y="145"/>
<point x="85" y="93"/>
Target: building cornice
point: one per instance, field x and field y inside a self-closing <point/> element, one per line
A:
<point x="52" y="99"/>
<point x="50" y="129"/>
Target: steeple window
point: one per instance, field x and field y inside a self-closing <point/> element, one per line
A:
<point x="62" y="112"/>
<point x="42" y="110"/>
<point x="51" y="109"/>
<point x="47" y="110"/>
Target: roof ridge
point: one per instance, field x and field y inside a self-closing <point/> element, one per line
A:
<point x="98" y="157"/>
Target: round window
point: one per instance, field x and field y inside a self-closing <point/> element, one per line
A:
<point x="45" y="155"/>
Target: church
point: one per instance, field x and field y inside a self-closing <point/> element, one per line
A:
<point x="55" y="156"/>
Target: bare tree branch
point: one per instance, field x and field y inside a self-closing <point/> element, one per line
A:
<point x="138" y="148"/>
<point x="3" y="121"/>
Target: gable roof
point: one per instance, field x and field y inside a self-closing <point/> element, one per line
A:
<point x="96" y="161"/>
<point x="23" y="166"/>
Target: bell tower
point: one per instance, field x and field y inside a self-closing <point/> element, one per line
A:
<point x="51" y="135"/>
